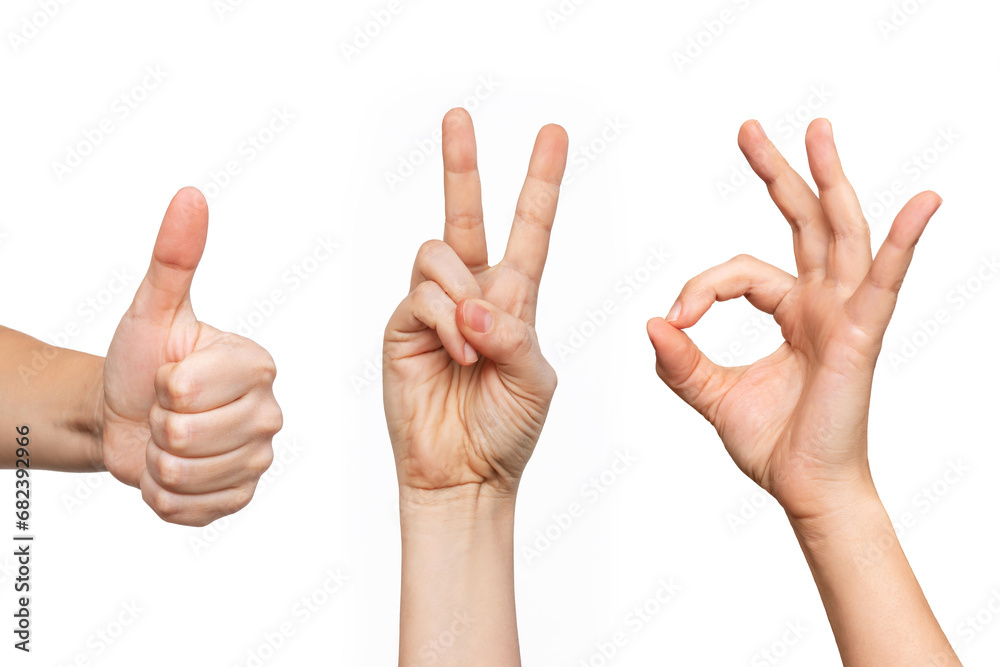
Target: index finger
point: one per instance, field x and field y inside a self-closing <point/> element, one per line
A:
<point x="213" y="376"/>
<point x="793" y="196"/>
<point x="528" y="246"/>
<point x="463" y="191"/>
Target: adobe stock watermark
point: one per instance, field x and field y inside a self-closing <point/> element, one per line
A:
<point x="779" y="649"/>
<point x="87" y="311"/>
<point x="899" y="16"/>
<point x="106" y="636"/>
<point x="750" y="508"/>
<point x="371" y="28"/>
<point x="562" y="12"/>
<point x="409" y="161"/>
<point x="31" y="25"/>
<point x="886" y="201"/>
<point x="248" y="150"/>
<point x="590" y="493"/>
<point x="303" y="610"/>
<point x="922" y="503"/>
<point x="977" y="622"/>
<point x="223" y="8"/>
<point x="436" y="649"/>
<point x="369" y="374"/>
<point x="956" y="300"/>
<point x="623" y="291"/>
<point x="635" y="621"/>
<point x="292" y="280"/>
<point x="83" y="489"/>
<point x="784" y="127"/>
<point x="707" y="35"/>
<point x="121" y="283"/>
<point x="749" y="335"/>
<point x="587" y="154"/>
<point x="287" y="451"/>
<point x="122" y="107"/>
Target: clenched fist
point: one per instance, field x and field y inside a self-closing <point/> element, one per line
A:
<point x="188" y="410"/>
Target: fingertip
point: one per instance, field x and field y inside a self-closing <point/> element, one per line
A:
<point x="471" y="356"/>
<point x="556" y="134"/>
<point x="934" y="199"/>
<point x="756" y="147"/>
<point x="919" y="210"/>
<point x="820" y="127"/>
<point x="191" y="197"/>
<point x="654" y="329"/>
<point x="183" y="233"/>
<point x="751" y="133"/>
<point x="458" y="143"/>
<point x="456" y="117"/>
<point x="550" y="154"/>
<point x="460" y="351"/>
<point x="661" y="331"/>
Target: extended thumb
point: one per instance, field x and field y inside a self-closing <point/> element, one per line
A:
<point x="178" y="249"/>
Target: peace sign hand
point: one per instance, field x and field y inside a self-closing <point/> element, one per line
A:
<point x="466" y="387"/>
<point x="796" y="421"/>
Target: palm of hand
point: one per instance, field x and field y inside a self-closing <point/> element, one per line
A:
<point x="458" y="424"/>
<point x="794" y="418"/>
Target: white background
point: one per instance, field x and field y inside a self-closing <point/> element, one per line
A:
<point x="656" y="187"/>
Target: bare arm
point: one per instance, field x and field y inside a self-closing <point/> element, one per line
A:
<point x="58" y="394"/>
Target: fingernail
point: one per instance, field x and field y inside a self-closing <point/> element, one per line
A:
<point x="477" y="317"/>
<point x="761" y="128"/>
<point x="675" y="312"/>
<point x="470" y="354"/>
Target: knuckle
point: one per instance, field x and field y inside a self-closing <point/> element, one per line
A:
<point x="531" y="216"/>
<point x="465" y="220"/>
<point x="176" y="431"/>
<point x="272" y="419"/>
<point x="429" y="250"/>
<point x="523" y="343"/>
<point x="692" y="286"/>
<point x="166" y="505"/>
<point x="262" y="461"/>
<point x="266" y="368"/>
<point x="180" y="386"/>
<point x="242" y="498"/>
<point x="171" y="470"/>
<point x="425" y="291"/>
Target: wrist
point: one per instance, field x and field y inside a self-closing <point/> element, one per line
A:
<point x="93" y="424"/>
<point x="457" y="576"/>
<point x="463" y="508"/>
<point x="854" y="512"/>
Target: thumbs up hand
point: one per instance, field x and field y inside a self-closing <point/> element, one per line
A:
<point x="189" y="411"/>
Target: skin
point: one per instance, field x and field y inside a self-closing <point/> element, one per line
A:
<point x="179" y="409"/>
<point x="796" y="421"/>
<point x="466" y="392"/>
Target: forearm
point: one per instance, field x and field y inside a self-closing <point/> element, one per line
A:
<point x="877" y="610"/>
<point x="57" y="393"/>
<point x="457" y="604"/>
